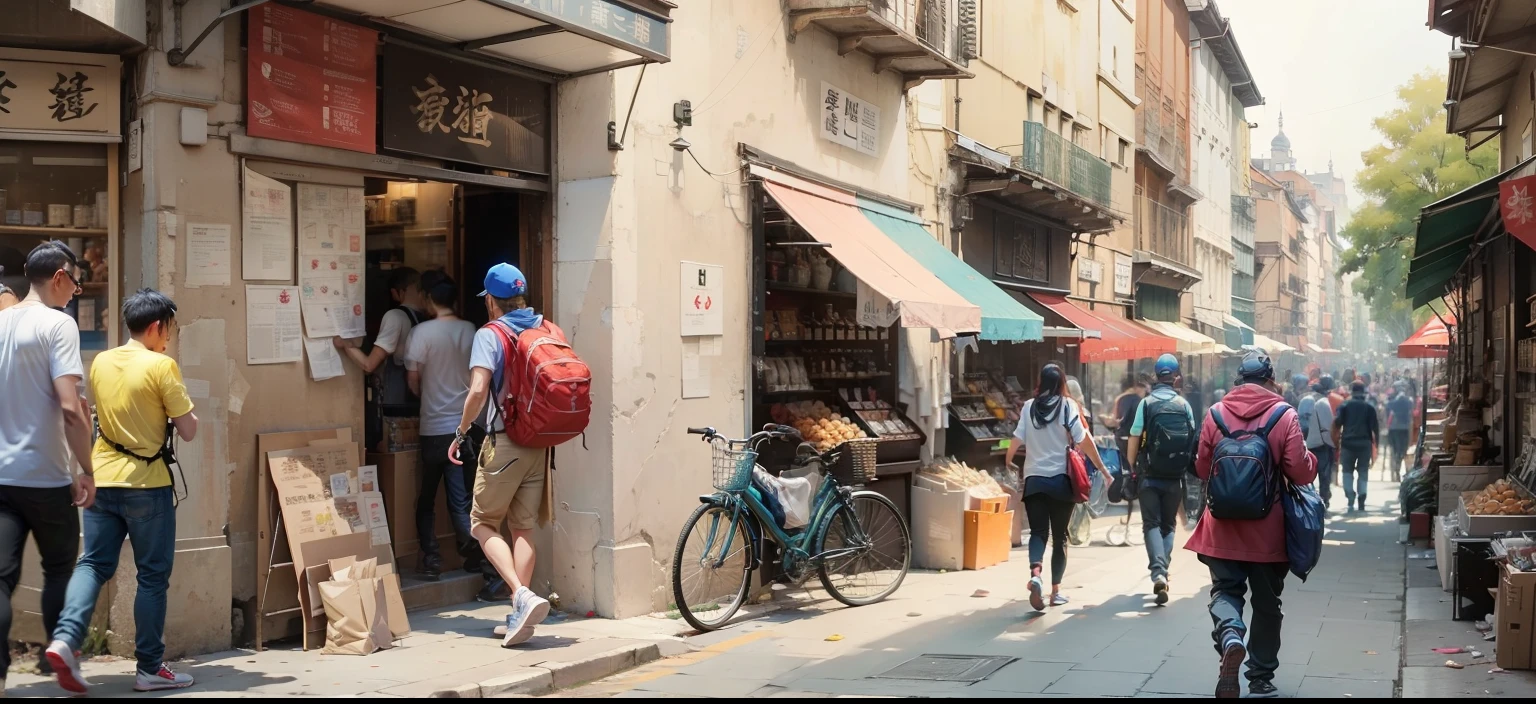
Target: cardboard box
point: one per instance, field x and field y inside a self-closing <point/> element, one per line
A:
<point x="1455" y="480"/>
<point x="938" y="523"/>
<point x="986" y="535"/>
<point x="1487" y="526"/>
<point x="1515" y="616"/>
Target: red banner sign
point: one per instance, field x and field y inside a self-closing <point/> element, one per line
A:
<point x="1517" y="203"/>
<point x="311" y="79"/>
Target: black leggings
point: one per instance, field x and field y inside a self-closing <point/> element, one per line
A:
<point x="1048" y="515"/>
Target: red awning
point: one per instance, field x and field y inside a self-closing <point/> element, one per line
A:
<point x="1433" y="340"/>
<point x="1120" y="339"/>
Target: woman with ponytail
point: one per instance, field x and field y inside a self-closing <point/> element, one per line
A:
<point x="1049" y="424"/>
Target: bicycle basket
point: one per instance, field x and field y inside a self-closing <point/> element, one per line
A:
<point x="856" y="463"/>
<point x="733" y="465"/>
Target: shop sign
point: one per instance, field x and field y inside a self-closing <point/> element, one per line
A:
<point x="52" y="96"/>
<point x="1090" y="270"/>
<point x="1122" y="275"/>
<point x="311" y="79"/>
<point x="849" y="120"/>
<point x="460" y="111"/>
<point x="623" y="26"/>
<point x="1517" y="204"/>
<point x="703" y="299"/>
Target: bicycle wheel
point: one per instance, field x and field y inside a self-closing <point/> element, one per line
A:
<point x="711" y="568"/>
<point x="881" y="550"/>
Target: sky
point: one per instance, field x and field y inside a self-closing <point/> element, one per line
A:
<point x="1333" y="66"/>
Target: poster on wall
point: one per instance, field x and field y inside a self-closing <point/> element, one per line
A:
<point x="208" y="253"/>
<point x="1122" y="275"/>
<point x="273" y="334"/>
<point x="703" y="309"/>
<point x="460" y="111"/>
<point x="849" y="120"/>
<point x="330" y="243"/>
<point x="266" y="229"/>
<point x="311" y="79"/>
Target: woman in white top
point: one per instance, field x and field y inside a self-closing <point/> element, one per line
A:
<point x="1048" y="424"/>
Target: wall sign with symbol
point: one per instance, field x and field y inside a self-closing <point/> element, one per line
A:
<point x="702" y="299"/>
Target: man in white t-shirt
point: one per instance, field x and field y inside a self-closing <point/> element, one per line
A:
<point x="40" y="371"/>
<point x="386" y="361"/>
<point x="437" y="368"/>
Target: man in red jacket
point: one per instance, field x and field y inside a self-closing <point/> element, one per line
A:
<point x="1249" y="555"/>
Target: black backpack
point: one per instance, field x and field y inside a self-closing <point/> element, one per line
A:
<point x="1244" y="484"/>
<point x="1170" y="438"/>
<point x="392" y="390"/>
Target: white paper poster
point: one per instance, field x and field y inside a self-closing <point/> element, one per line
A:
<point x="330" y="219"/>
<point x="266" y="229"/>
<point x="273" y="333"/>
<point x="208" y="254"/>
<point x="332" y="294"/>
<point x="703" y="310"/>
<point x="324" y="360"/>
<point x="849" y="120"/>
<point x="1122" y="275"/>
<point x="695" y="371"/>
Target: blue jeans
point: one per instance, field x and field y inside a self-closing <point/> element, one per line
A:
<point x="1356" y="465"/>
<point x="1159" y="512"/>
<point x="1324" y="455"/>
<point x="147" y="518"/>
<point x="459" y="481"/>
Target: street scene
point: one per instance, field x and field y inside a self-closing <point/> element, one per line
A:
<point x="1079" y="348"/>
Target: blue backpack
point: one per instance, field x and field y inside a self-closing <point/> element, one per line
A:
<point x="1243" y="484"/>
<point x="1304" y="409"/>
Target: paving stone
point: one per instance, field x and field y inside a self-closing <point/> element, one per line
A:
<point x="684" y="684"/>
<point x="1024" y="677"/>
<point x="754" y="665"/>
<point x="1428" y="604"/>
<point x="1334" y="688"/>
<point x="1098" y="684"/>
<point x="1143" y="665"/>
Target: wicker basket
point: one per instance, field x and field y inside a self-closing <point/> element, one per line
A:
<point x="856" y="462"/>
<point x="733" y="465"/>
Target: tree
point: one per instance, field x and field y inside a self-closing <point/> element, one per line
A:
<point x="1416" y="164"/>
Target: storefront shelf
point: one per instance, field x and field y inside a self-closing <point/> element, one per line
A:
<point x="53" y="231"/>
<point x="825" y="343"/>
<point x="776" y="287"/>
<point x="851" y="377"/>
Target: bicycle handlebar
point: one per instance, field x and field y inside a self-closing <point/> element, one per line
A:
<point x="770" y="431"/>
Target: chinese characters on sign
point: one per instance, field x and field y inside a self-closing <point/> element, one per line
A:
<point x="311" y="79"/>
<point x="1122" y="275"/>
<point x="43" y="95"/>
<point x="459" y="111"/>
<point x="849" y="121"/>
<point x="633" y="30"/>
<point x="1090" y="270"/>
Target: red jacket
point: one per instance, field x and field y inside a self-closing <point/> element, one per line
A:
<point x="1248" y="407"/>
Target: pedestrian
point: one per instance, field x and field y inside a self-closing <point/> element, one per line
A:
<point x="45" y="423"/>
<point x="1295" y="390"/>
<point x="513" y="482"/>
<point x="1355" y="431"/>
<point x="1164" y="424"/>
<point x="1248" y="556"/>
<point x="437" y="371"/>
<point x="140" y="401"/>
<point x="1317" y="428"/>
<point x="391" y="394"/>
<point x="1118" y="419"/>
<point x="1399" y="422"/>
<point x="1048" y="425"/>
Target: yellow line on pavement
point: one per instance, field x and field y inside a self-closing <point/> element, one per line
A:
<point x="670" y="666"/>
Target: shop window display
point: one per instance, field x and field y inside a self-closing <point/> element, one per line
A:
<point x="54" y="190"/>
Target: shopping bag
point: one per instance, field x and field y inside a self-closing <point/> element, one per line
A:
<point x="356" y="611"/>
<point x="1303" y="528"/>
<point x="1098" y="496"/>
<point x="1080" y="526"/>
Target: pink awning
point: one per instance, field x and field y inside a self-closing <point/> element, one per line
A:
<point x="833" y="216"/>
<point x="1433" y="340"/>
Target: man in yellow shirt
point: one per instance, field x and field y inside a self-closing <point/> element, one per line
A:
<point x="140" y="398"/>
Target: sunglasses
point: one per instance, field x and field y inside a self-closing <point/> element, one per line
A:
<point x="78" y="288"/>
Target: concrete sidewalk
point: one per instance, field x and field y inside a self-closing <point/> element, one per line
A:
<point x="452" y="652"/>
<point x="1342" y="632"/>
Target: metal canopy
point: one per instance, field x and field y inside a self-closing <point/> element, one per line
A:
<point x="96" y="26"/>
<point x="568" y="37"/>
<point x="1216" y="32"/>
<point x="1480" y="82"/>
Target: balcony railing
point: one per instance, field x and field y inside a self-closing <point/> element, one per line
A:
<point x="918" y="38"/>
<point x="1163" y="231"/>
<point x="1065" y="164"/>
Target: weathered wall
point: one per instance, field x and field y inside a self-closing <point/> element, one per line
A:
<point x="623" y="223"/>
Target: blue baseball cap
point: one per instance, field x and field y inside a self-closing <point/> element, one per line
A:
<point x="1167" y="365"/>
<point x="505" y="281"/>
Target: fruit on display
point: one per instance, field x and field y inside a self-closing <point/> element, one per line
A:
<point x="1501" y="498"/>
<point x="820" y="425"/>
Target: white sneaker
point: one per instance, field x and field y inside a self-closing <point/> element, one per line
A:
<point x="161" y="679"/>
<point x="66" y="667"/>
<point x="537" y="606"/>
<point x="528" y="610"/>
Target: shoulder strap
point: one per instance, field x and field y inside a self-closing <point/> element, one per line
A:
<point x="411" y="314"/>
<point x="1274" y="419"/>
<point x="1220" y="424"/>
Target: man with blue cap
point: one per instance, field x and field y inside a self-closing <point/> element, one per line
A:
<point x="1164" y="424"/>
<point x="513" y="484"/>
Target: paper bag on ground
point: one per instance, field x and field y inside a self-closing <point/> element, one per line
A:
<point x="356" y="612"/>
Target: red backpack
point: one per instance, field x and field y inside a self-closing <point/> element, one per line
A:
<point x="549" y="399"/>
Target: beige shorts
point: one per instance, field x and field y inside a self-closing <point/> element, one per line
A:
<point x="516" y="493"/>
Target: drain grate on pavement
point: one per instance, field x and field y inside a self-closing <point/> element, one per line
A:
<point x="947" y="668"/>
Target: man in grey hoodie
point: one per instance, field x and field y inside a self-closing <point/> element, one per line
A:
<point x="1318" y="424"/>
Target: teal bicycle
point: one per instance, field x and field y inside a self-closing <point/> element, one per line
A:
<point x="856" y="541"/>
